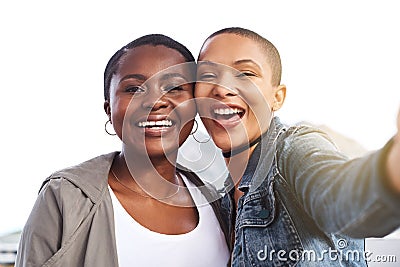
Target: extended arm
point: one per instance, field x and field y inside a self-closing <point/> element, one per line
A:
<point x="353" y="197"/>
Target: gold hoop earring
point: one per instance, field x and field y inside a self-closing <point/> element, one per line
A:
<point x="194" y="137"/>
<point x="201" y="142"/>
<point x="197" y="127"/>
<point x="105" y="128"/>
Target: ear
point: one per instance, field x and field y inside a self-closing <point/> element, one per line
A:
<point x="279" y="97"/>
<point x="107" y="109"/>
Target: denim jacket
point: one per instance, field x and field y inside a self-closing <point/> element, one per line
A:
<point x="306" y="204"/>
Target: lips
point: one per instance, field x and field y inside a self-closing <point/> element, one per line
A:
<point x="156" y="125"/>
<point x="227" y="115"/>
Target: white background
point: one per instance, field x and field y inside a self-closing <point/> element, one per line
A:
<point x="340" y="64"/>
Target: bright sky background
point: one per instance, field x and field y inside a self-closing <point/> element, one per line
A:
<point x="340" y="64"/>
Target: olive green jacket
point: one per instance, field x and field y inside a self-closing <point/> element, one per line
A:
<point x="72" y="221"/>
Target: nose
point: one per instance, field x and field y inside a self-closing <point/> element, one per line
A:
<point x="225" y="87"/>
<point x="222" y="91"/>
<point x="155" y="101"/>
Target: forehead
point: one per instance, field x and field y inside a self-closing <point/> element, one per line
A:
<point x="148" y="60"/>
<point x="228" y="48"/>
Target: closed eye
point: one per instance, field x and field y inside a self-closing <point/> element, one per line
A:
<point x="245" y="74"/>
<point x="173" y="88"/>
<point x="134" y="89"/>
<point x="206" y="77"/>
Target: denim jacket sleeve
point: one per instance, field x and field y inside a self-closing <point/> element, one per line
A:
<point x="345" y="196"/>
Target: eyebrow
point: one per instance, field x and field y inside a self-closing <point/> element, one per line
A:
<point x="237" y="62"/>
<point x="142" y="78"/>
<point x="172" y="75"/>
<point x="133" y="76"/>
<point x="207" y="63"/>
<point x="247" y="61"/>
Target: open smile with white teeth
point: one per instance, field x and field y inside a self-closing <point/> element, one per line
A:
<point x="227" y="117"/>
<point x="226" y="113"/>
<point x="153" y="124"/>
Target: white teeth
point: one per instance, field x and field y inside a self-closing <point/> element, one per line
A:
<point x="228" y="111"/>
<point x="164" y="123"/>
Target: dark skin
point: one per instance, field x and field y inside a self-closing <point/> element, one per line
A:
<point x="149" y="212"/>
<point x="153" y="158"/>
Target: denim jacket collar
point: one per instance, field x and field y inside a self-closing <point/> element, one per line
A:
<point x="262" y="158"/>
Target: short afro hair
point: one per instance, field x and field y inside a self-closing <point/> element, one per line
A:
<point x="271" y="53"/>
<point x="151" y="39"/>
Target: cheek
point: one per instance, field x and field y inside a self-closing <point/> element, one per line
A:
<point x="258" y="118"/>
<point x="202" y="89"/>
<point x="259" y="101"/>
<point x="115" y="110"/>
<point x="187" y="113"/>
<point x="122" y="111"/>
<point x="204" y="98"/>
<point x="254" y="94"/>
<point x="119" y="107"/>
<point x="187" y="110"/>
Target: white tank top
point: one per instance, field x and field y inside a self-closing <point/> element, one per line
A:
<point x="204" y="246"/>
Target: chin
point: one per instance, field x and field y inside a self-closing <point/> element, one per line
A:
<point x="223" y="143"/>
<point x="162" y="149"/>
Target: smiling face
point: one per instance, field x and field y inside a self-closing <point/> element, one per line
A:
<point x="151" y="100"/>
<point x="234" y="92"/>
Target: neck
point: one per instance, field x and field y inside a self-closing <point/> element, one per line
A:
<point x="246" y="147"/>
<point x="244" y="154"/>
<point x="237" y="164"/>
<point x="149" y="172"/>
<point x="160" y="183"/>
<point x="140" y="164"/>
